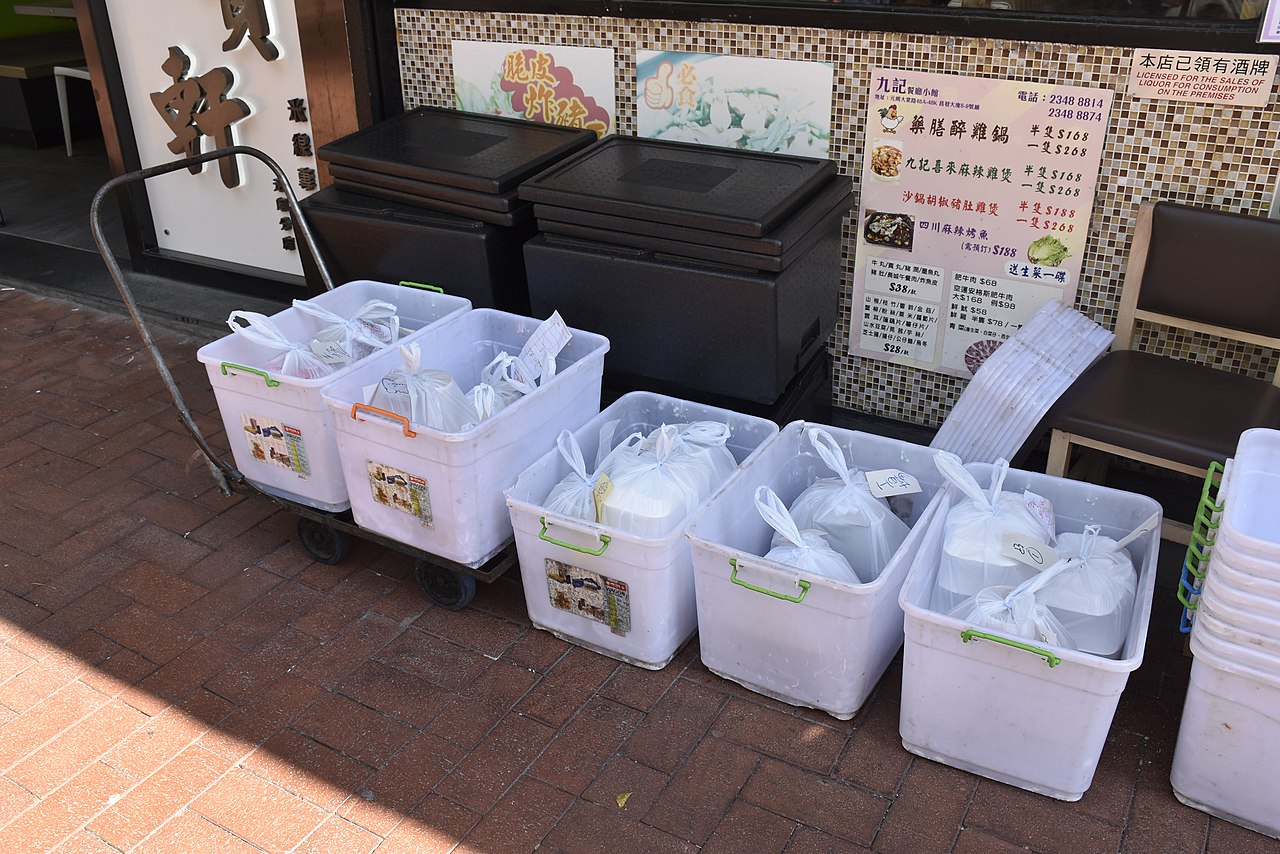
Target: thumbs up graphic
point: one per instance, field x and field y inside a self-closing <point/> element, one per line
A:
<point x="658" y="94"/>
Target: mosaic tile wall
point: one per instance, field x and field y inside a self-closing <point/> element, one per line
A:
<point x="1208" y="155"/>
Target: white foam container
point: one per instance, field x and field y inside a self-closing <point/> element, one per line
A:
<point x="999" y="710"/>
<point x="801" y="638"/>
<point x="452" y="505"/>
<point x="302" y="463"/>
<point x="645" y="611"/>
<point x="1227" y="758"/>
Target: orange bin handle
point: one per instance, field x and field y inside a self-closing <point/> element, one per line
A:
<point x="404" y="422"/>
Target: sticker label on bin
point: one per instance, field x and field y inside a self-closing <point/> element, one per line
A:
<point x="276" y="444"/>
<point x="589" y="594"/>
<point x="400" y="490"/>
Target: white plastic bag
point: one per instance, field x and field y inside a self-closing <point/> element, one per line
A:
<point x="701" y="449"/>
<point x="343" y="340"/>
<point x="973" y="536"/>
<point x="857" y="524"/>
<point x="651" y="493"/>
<point x="807" y="551"/>
<point x="292" y="358"/>
<point x="427" y="397"/>
<point x="1018" y="611"/>
<point x="1094" y="598"/>
<point x="572" y="496"/>
<point x="502" y="374"/>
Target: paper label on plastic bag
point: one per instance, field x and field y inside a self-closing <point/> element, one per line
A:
<point x="401" y="491"/>
<point x="590" y="595"/>
<point x="1031" y="552"/>
<point x="395" y="386"/>
<point x="886" y="482"/>
<point x="600" y="493"/>
<point x="331" y="352"/>
<point x="1042" y="509"/>
<point x="545" y="343"/>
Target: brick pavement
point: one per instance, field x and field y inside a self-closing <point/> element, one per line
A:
<point x="177" y="675"/>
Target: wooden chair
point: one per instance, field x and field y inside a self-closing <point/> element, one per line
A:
<point x="1198" y="270"/>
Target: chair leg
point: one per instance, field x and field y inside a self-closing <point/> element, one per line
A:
<point x="1059" y="454"/>
<point x="61" y="82"/>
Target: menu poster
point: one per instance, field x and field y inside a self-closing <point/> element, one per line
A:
<point x="976" y="197"/>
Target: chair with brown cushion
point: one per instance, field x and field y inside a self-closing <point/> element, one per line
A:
<point x="1199" y="270"/>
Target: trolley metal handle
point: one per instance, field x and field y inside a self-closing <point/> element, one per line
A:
<point x="364" y="407"/>
<point x="220" y="470"/>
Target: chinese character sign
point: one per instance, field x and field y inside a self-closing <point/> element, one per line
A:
<point x="199" y="105"/>
<point x="557" y="85"/>
<point x="976" y="196"/>
<point x="754" y="103"/>
<point x="1241" y="79"/>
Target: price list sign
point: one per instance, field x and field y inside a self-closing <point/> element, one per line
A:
<point x="976" y="197"/>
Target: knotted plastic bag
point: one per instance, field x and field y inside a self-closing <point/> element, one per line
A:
<point x="1094" y="598"/>
<point x="701" y="447"/>
<point x="1018" y="611"/>
<point x="343" y="340"/>
<point x="504" y="376"/>
<point x="857" y="524"/>
<point x="652" y="493"/>
<point x="574" y="495"/>
<point x="427" y="397"/>
<point x="808" y="550"/>
<point x="290" y="358"/>
<point x="974" y="532"/>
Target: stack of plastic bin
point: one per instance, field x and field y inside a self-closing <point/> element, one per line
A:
<point x="280" y="431"/>
<point x="442" y="492"/>
<point x="800" y="638"/>
<point x="1227" y="760"/>
<point x="1031" y="716"/>
<point x="623" y="595"/>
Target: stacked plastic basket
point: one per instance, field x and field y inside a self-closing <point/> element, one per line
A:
<point x="1227" y="760"/>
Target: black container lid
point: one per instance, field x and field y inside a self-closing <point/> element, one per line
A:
<point x="499" y="202"/>
<point x="488" y="154"/>
<point x="716" y="189"/>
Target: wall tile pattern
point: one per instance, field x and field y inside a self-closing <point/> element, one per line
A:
<point x="1205" y="154"/>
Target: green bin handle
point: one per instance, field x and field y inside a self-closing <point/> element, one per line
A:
<point x="605" y="539"/>
<point x="248" y="370"/>
<point x="1184" y="597"/>
<point x="421" y="286"/>
<point x="1051" y="659"/>
<point x="1217" y="468"/>
<point x="800" y="582"/>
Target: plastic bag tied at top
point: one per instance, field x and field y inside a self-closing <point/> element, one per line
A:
<point x="652" y="492"/>
<point x="1094" y="597"/>
<point x="807" y="551"/>
<point x="1018" y="611"/>
<point x="289" y="358"/>
<point x="343" y="340"/>
<point x="427" y="397"/>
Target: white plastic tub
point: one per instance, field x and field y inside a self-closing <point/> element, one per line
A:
<point x="602" y="588"/>
<point x="1227" y="759"/>
<point x="800" y="638"/>
<point x="1252" y="494"/>
<point x="442" y="492"/>
<point x="994" y="706"/>
<point x="280" y="431"/>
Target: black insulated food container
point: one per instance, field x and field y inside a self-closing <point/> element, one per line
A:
<point x="430" y="196"/>
<point x="712" y="270"/>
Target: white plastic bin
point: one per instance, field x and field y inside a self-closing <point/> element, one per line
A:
<point x="442" y="492"/>
<point x="800" y="638"/>
<point x="608" y="590"/>
<point x="995" y="706"/>
<point x="280" y="432"/>
<point x="1252" y="494"/>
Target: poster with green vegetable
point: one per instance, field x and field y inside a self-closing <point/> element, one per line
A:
<point x="753" y="103"/>
<point x="551" y="84"/>
<point x="975" y="206"/>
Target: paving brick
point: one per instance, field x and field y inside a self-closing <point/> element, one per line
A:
<point x="401" y="695"/>
<point x="190" y="833"/>
<point x="929" y="810"/>
<point x="592" y="829"/>
<point x="159" y="590"/>
<point x="47" y="823"/>
<point x="84" y="613"/>
<point x="286" y="560"/>
<point x="350" y="728"/>
<point x="339" y="836"/>
<point x="76" y="748"/>
<point x="581" y="748"/>
<point x="307" y="768"/>
<point x="47" y="720"/>
<point x="404" y="605"/>
<point x="263" y="716"/>
<point x="1039" y="822"/>
<point x="1228" y="838"/>
<point x="142" y="630"/>
<point x="85" y="842"/>
<point x="267" y="615"/>
<point x="257" y="811"/>
<point x="975" y="841"/>
<point x="874" y="758"/>
<point x="167" y="550"/>
<point x="44" y="679"/>
<point x="574" y="679"/>
<point x="336" y="657"/>
<point x="702" y="789"/>
<point x="37" y="540"/>
<point x="519" y="820"/>
<point x="466" y="720"/>
<point x="62" y="438"/>
<point x="325" y="577"/>
<point x="536" y="650"/>
<point x="228" y="600"/>
<point x="470" y="628"/>
<point x="97" y="504"/>
<point x="819" y="802"/>
<point x="344" y="604"/>
<point x="13" y="800"/>
<point x="167" y="734"/>
<point x="13" y="662"/>
<point x="438" y="661"/>
<point x="638" y="786"/>
<point x="230" y="524"/>
<point x="780" y="735"/>
<point x="41" y="497"/>
<point x="82" y="578"/>
<point x="806" y="840"/>
<point x="677" y="723"/>
<point x="749" y="828"/>
<point x="180" y="678"/>
<point x="23" y="572"/>
<point x="1110" y="794"/>
<point x="435" y="827"/>
<point x="131" y="819"/>
<point x="110" y="448"/>
<point x="401" y="784"/>
<point x="173" y="512"/>
<point x="640" y="688"/>
<point x="503" y="755"/>
<point x="263" y="665"/>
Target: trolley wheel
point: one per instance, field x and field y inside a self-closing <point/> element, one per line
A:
<point x="327" y="545"/>
<point x="451" y="590"/>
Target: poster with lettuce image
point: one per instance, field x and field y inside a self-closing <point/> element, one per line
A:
<point x="752" y="103"/>
<point x="551" y="84"/>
